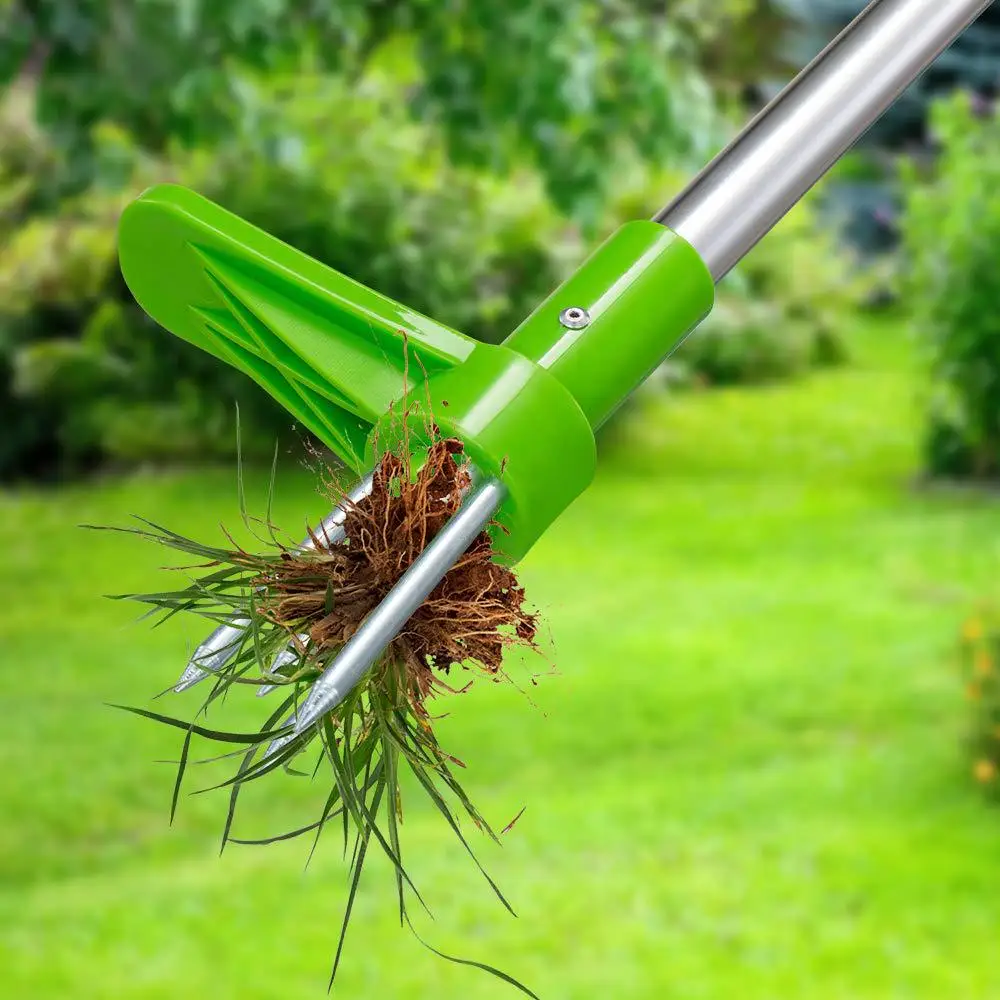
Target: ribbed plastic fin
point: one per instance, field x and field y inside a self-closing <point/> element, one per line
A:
<point x="334" y="353"/>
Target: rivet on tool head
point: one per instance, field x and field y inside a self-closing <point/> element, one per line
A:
<point x="574" y="318"/>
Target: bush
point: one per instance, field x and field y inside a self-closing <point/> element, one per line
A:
<point x="817" y="283"/>
<point x="951" y="283"/>
<point x="347" y="177"/>
<point x="981" y="671"/>
<point x="89" y="377"/>
<point x="744" y="341"/>
<point x="788" y="307"/>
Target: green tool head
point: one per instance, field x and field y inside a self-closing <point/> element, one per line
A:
<point x="348" y="362"/>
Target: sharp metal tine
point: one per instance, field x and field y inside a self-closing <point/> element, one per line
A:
<point x="413" y="588"/>
<point x="224" y="643"/>
<point x="213" y="654"/>
<point x="286" y="658"/>
<point x="279" y="743"/>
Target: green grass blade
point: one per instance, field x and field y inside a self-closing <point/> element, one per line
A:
<point x="391" y="758"/>
<point x="510" y="980"/>
<point x="442" y="807"/>
<point x="181" y="767"/>
<point x="357" y="867"/>
<point x="211" y="734"/>
<point x="234" y="796"/>
<point x="291" y="834"/>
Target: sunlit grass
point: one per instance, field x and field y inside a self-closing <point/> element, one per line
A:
<point x="746" y="781"/>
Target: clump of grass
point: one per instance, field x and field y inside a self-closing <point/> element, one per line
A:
<point x="472" y="616"/>
<point x="310" y="603"/>
<point x="981" y="668"/>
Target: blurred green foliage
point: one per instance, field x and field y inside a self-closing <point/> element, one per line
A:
<point x="786" y="308"/>
<point x="740" y="43"/>
<point x="951" y="282"/>
<point x="866" y="203"/>
<point x="367" y="191"/>
<point x="970" y="62"/>
<point x="456" y="158"/>
<point x="566" y="84"/>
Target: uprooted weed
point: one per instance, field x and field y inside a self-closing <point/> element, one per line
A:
<point x="303" y="606"/>
<point x="471" y="617"/>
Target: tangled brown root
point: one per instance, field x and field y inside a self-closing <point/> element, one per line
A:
<point x="473" y="615"/>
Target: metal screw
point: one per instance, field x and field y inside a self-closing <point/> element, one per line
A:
<point x="574" y="318"/>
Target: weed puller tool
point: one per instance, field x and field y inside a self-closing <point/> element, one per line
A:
<point x="336" y="354"/>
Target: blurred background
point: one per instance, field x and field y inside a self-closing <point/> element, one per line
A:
<point x="765" y="762"/>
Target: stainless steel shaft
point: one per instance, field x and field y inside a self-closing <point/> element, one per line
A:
<point x="413" y="588"/>
<point x="774" y="161"/>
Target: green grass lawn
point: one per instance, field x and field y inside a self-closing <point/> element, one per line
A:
<point x="745" y="779"/>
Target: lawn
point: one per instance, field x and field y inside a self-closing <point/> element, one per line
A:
<point x="744" y="779"/>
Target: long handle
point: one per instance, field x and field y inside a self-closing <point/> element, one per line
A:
<point x="778" y="157"/>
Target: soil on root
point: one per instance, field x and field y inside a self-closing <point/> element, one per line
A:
<point x="473" y="615"/>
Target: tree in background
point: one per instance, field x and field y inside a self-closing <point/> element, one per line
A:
<point x="566" y="85"/>
<point x="454" y="155"/>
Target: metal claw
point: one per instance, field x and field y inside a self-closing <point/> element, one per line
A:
<point x="286" y="658"/>
<point x="214" y="653"/>
<point x="224" y="643"/>
<point x="280" y="742"/>
<point x="413" y="588"/>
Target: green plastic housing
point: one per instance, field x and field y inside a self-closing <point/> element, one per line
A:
<point x="346" y="361"/>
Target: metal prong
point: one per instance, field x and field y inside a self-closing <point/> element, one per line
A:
<point x="413" y="588"/>
<point x="289" y="655"/>
<point x="213" y="654"/>
<point x="279" y="743"/>
<point x="224" y="643"/>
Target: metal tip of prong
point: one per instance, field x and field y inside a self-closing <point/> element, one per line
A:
<point x="276" y="746"/>
<point x="310" y="714"/>
<point x="192" y="675"/>
<point x="212" y="655"/>
<point x="412" y="589"/>
<point x="279" y="743"/>
<point x="286" y="658"/>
